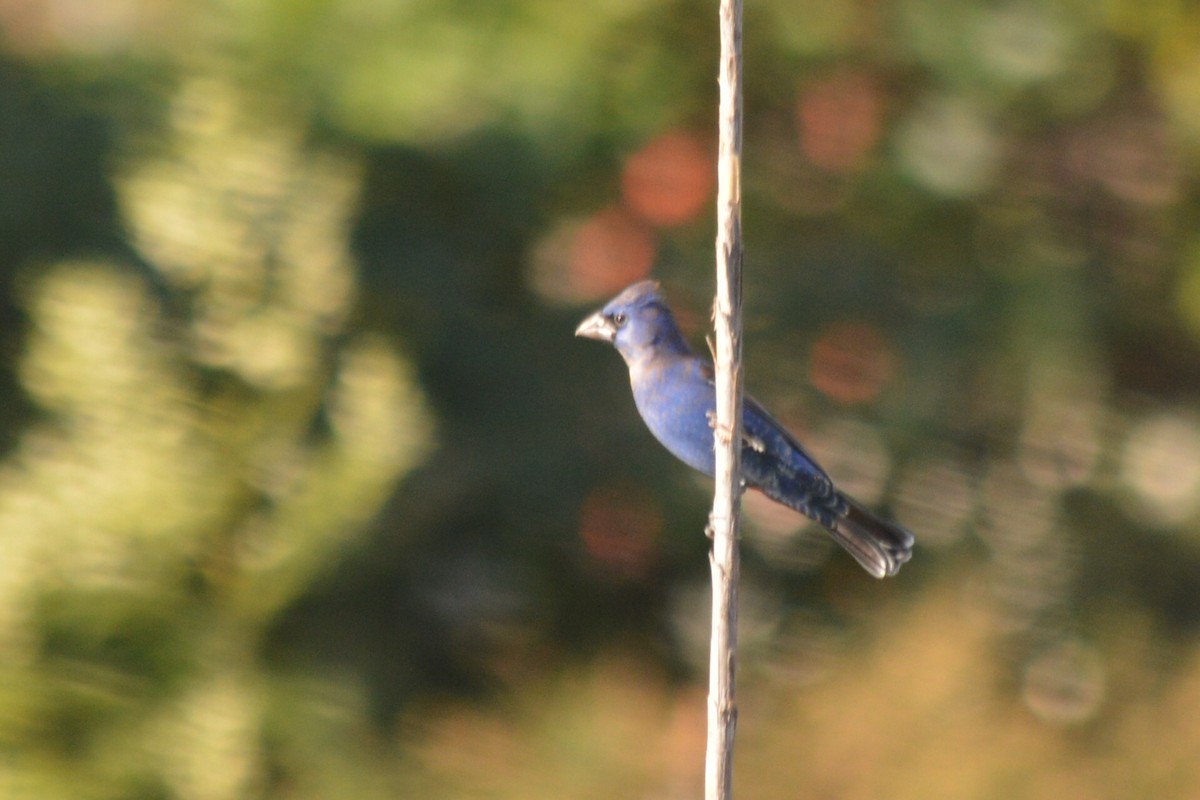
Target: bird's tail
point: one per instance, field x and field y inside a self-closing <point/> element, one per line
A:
<point x="881" y="547"/>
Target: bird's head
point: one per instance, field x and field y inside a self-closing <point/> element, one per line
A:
<point x="637" y="322"/>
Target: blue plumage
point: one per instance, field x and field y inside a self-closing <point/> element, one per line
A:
<point x="675" y="394"/>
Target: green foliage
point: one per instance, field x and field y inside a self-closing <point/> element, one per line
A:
<point x="307" y="492"/>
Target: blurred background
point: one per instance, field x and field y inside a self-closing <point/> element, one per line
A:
<point x="307" y="491"/>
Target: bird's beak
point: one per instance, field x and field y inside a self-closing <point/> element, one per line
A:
<point x="598" y="327"/>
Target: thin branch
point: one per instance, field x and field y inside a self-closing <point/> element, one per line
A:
<point x="727" y="319"/>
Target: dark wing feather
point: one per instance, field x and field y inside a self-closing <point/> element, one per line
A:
<point x="777" y="465"/>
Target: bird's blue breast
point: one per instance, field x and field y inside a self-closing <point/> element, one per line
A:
<point x="676" y="401"/>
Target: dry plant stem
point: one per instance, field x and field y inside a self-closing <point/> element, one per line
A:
<point x="727" y="318"/>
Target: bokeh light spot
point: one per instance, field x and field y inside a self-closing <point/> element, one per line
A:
<point x="936" y="498"/>
<point x="1020" y="42"/>
<point x="1161" y="467"/>
<point x="852" y="362"/>
<point x="1065" y="412"/>
<point x="1132" y="156"/>
<point x="1065" y="683"/>
<point x="669" y="180"/>
<point x="585" y="261"/>
<point x="840" y="121"/>
<point x="49" y="27"/>
<point x="770" y="517"/>
<point x="855" y="454"/>
<point x="947" y="145"/>
<point x="620" y="529"/>
<point x="785" y="538"/>
<point x="760" y="613"/>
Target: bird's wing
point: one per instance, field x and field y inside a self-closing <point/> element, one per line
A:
<point x="773" y="443"/>
<point x="768" y="435"/>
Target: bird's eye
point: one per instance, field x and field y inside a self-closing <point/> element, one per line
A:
<point x="619" y="319"/>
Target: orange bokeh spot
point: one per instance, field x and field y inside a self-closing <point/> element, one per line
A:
<point x="609" y="251"/>
<point x="840" y="120"/>
<point x="620" y="530"/>
<point x="669" y="180"/>
<point x="851" y="362"/>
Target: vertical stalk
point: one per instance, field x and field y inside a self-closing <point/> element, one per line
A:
<point x="727" y="319"/>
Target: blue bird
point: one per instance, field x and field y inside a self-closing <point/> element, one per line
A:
<point x="676" y="395"/>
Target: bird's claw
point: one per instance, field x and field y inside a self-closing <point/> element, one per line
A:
<point x="722" y="432"/>
<point x="753" y="442"/>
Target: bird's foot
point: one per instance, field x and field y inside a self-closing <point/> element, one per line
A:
<point x="722" y="432"/>
<point x="753" y="442"/>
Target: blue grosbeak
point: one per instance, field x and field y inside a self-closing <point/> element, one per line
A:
<point x="676" y="396"/>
